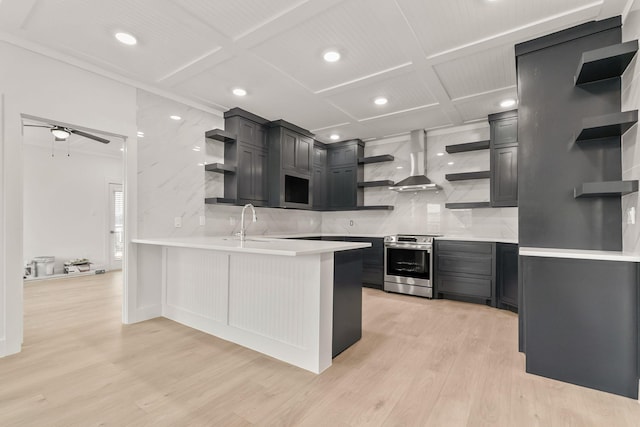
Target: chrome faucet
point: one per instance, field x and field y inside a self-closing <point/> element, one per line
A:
<point x="243" y="230"/>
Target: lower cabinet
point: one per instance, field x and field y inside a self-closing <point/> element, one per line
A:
<point x="372" y="261"/>
<point x="507" y="276"/>
<point x="465" y="270"/>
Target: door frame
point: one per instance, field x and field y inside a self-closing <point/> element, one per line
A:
<point x="110" y="264"/>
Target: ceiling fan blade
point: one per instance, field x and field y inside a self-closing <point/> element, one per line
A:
<point x="38" y="126"/>
<point x="88" y="135"/>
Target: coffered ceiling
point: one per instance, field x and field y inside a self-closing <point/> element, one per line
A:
<point x="438" y="62"/>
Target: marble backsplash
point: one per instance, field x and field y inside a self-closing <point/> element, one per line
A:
<point x="172" y="183"/>
<point x="630" y="147"/>
<point x="424" y="211"/>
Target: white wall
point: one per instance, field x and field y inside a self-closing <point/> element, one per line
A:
<point x="424" y="211"/>
<point x="66" y="204"/>
<point x="630" y="145"/>
<point x="36" y="85"/>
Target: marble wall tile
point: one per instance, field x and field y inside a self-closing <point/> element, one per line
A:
<point x="630" y="147"/>
<point x="171" y="176"/>
<point x="424" y="211"/>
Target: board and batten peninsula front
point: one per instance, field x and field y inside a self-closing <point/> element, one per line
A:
<point x="298" y="301"/>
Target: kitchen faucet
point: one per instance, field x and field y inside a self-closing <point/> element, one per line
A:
<point x="243" y="230"/>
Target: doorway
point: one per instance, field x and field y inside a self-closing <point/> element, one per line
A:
<point x="116" y="226"/>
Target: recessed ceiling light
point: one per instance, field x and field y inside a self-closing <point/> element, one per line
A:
<point x="508" y="103"/>
<point x="439" y="154"/>
<point x="239" y="91"/>
<point x="399" y="167"/>
<point x="140" y="134"/>
<point x="450" y="163"/>
<point x="126" y="38"/>
<point x="331" y="56"/>
<point x="334" y="136"/>
<point x="381" y="100"/>
<point x="175" y="117"/>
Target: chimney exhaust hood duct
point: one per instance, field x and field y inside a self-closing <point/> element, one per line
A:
<point x="418" y="181"/>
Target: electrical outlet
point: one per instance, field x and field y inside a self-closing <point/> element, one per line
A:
<point x="631" y="215"/>
<point x="203" y="220"/>
<point x="177" y="222"/>
<point x="351" y="222"/>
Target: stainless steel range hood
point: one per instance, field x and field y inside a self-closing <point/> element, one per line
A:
<point x="418" y="181"/>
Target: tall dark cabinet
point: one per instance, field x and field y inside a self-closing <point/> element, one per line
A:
<point x="249" y="156"/>
<point x="290" y="165"/>
<point x="579" y="318"/>
<point x="504" y="158"/>
<point x="319" y="181"/>
<point x="343" y="175"/>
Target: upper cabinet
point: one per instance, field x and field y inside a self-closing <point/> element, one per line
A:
<point x="343" y="175"/>
<point x="504" y="159"/>
<point x="290" y="164"/>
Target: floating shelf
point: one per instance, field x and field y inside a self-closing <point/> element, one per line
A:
<point x="469" y="146"/>
<point x="467" y="205"/>
<point x="220" y="135"/>
<point x="607" y="126"/>
<point x="375" y="208"/>
<point x="605" y="189"/>
<point x="220" y="168"/>
<point x="375" y="159"/>
<point x="467" y="175"/>
<point x="219" y="201"/>
<point x="605" y="63"/>
<point x="382" y="183"/>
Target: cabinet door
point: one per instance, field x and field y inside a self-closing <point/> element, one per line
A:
<point x="319" y="156"/>
<point x="343" y="156"/>
<point x="247" y="132"/>
<point x="507" y="273"/>
<point x="343" y="188"/>
<point x="259" y="176"/>
<point x="504" y="176"/>
<point x="288" y="149"/>
<point x="245" y="173"/>
<point x="303" y="154"/>
<point x="504" y="131"/>
<point x="319" y="188"/>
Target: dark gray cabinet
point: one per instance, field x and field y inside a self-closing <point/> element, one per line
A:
<point x="249" y="156"/>
<point x="504" y="159"/>
<point x="290" y="159"/>
<point x="507" y="276"/>
<point x="372" y="261"/>
<point x="343" y="175"/>
<point x="319" y="179"/>
<point x="465" y="270"/>
<point x="251" y="175"/>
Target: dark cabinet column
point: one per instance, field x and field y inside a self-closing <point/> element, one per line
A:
<point x="507" y="275"/>
<point x="504" y="159"/>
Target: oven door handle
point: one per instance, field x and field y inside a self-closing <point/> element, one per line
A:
<point x="403" y="246"/>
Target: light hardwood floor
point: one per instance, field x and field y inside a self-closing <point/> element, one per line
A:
<point x="419" y="363"/>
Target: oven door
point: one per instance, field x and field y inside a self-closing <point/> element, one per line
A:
<point x="407" y="264"/>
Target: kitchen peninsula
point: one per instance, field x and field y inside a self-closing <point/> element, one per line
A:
<point x="295" y="300"/>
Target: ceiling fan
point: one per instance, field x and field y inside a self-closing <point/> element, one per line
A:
<point x="61" y="133"/>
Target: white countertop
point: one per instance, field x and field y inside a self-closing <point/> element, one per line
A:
<point x="303" y="235"/>
<point x="580" y="254"/>
<point x="480" y="239"/>
<point x="255" y="245"/>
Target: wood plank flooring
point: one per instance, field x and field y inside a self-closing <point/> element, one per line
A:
<point x="420" y="363"/>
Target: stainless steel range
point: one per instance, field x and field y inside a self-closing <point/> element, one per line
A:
<point x="408" y="264"/>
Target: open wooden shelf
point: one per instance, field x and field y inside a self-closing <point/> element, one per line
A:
<point x="605" y="189"/>
<point x="381" y="183"/>
<point x="220" y="168"/>
<point x="375" y="159"/>
<point x="220" y="135"/>
<point x="375" y="208"/>
<point x="469" y="146"/>
<point x="463" y="176"/>
<point x="605" y="63"/>
<point x="467" y="205"/>
<point x="219" y="201"/>
<point x="606" y="126"/>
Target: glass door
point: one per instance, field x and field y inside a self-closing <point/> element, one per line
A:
<point x="408" y="263"/>
<point x="116" y="226"/>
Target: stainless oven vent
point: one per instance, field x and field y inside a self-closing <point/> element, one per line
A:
<point x="417" y="181"/>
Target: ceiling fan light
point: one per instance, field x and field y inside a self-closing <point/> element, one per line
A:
<point x="60" y="133"/>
